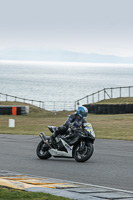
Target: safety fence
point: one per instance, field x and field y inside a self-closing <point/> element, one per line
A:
<point x="47" y="105"/>
<point x="106" y="93"/>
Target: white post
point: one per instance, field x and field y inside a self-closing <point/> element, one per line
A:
<point x="11" y="123"/>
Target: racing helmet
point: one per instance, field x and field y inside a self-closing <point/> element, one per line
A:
<point x="82" y="111"/>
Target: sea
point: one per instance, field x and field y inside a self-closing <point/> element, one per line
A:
<point x="60" y="82"/>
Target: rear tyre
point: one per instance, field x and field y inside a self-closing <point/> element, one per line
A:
<point x="42" y="151"/>
<point x="84" y="155"/>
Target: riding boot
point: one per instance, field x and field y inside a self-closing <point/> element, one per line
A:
<point x="52" y="137"/>
<point x="52" y="140"/>
<point x="60" y="130"/>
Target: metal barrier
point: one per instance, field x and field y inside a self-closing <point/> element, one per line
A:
<point x="47" y="105"/>
<point x="106" y="93"/>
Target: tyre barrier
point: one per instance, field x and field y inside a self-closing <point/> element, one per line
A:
<point x="14" y="110"/>
<point x="109" y="108"/>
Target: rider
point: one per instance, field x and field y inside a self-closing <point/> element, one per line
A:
<point x="74" y="121"/>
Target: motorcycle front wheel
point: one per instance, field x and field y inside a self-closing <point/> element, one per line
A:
<point x="42" y="151"/>
<point x="85" y="154"/>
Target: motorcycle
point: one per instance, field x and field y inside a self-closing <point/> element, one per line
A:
<point x="78" y="145"/>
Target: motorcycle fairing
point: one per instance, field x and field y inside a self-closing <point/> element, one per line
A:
<point x="52" y="128"/>
<point x="55" y="152"/>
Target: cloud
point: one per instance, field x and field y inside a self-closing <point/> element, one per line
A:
<point x="103" y="26"/>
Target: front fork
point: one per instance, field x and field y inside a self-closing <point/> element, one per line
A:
<point x="82" y="146"/>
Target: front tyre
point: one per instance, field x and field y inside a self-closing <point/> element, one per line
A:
<point x="42" y="151"/>
<point x="85" y="154"/>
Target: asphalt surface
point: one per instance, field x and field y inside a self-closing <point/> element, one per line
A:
<point x="111" y="165"/>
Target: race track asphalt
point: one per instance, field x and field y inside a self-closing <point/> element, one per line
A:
<point x="111" y="165"/>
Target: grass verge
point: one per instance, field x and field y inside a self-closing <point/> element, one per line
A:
<point x="12" y="194"/>
<point x="119" y="126"/>
<point x="120" y="100"/>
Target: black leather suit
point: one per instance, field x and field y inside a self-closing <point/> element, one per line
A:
<point x="74" y="121"/>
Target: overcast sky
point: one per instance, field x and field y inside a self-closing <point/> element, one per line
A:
<point x="93" y="26"/>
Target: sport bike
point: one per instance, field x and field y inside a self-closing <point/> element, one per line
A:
<point x="77" y="144"/>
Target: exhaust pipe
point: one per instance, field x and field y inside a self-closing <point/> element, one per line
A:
<point x="42" y="136"/>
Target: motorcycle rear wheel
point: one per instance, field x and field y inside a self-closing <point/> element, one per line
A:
<point x="42" y="151"/>
<point x="84" y="155"/>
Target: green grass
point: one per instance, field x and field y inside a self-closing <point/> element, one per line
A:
<point x="12" y="194"/>
<point x="119" y="126"/>
<point x="122" y="100"/>
<point x="37" y="120"/>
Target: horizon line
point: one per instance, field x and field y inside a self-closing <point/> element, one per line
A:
<point x="65" y="63"/>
